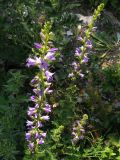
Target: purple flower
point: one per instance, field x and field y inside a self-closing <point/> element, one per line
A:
<point x="37" y="45"/>
<point x="31" y="111"/>
<point x="50" y="56"/>
<point x="38" y="92"/>
<point x="31" y="145"/>
<point x="43" y="134"/>
<point x="78" y="52"/>
<point x="79" y="38"/>
<point x="33" y="62"/>
<point x="46" y="118"/>
<point x="41" y="93"/>
<point x="30" y="62"/>
<point x="37" y="135"/>
<point x="85" y="59"/>
<point x="28" y="136"/>
<point x="39" y="124"/>
<point x="41" y="141"/>
<point x="89" y="44"/>
<point x="75" y="65"/>
<point x="35" y="81"/>
<point x="81" y="75"/>
<point x="49" y="75"/>
<point x="33" y="98"/>
<point x="48" y="90"/>
<point x="29" y="123"/>
<point x="43" y="64"/>
<point x="35" y="115"/>
<point x="47" y="108"/>
<point x="53" y="49"/>
<point x="37" y="106"/>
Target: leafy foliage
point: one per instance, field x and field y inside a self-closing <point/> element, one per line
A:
<point x="13" y="113"/>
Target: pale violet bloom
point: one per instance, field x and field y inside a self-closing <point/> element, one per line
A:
<point x="41" y="141"/>
<point x="49" y="75"/>
<point x="78" y="52"/>
<point x="47" y="108"/>
<point x="31" y="145"/>
<point x="46" y="118"/>
<point x="85" y="59"/>
<point x="33" y="61"/>
<point x="29" y="123"/>
<point x="27" y="136"/>
<point x="43" y="64"/>
<point x="89" y="44"/>
<point x="37" y="45"/>
<point x="50" y="56"/>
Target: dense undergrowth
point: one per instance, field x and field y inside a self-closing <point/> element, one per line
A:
<point x="85" y="117"/>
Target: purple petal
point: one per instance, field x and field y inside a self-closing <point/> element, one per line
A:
<point x="37" y="45"/>
<point x="49" y="75"/>
<point x="27" y="136"/>
<point x="48" y="90"/>
<point x="31" y="146"/>
<point x="46" y="118"/>
<point x="41" y="141"/>
<point x="30" y="62"/>
<point x="33" y="98"/>
<point x="29" y="123"/>
<point x="47" y="108"/>
<point x="89" y="44"/>
<point x="43" y="134"/>
<point x="79" y="38"/>
<point x="53" y="49"/>
<point x="85" y="59"/>
<point x="39" y="124"/>
<point x="50" y="56"/>
<point x="43" y="64"/>
<point x="78" y="52"/>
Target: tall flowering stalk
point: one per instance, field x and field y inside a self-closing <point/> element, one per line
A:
<point x="81" y="58"/>
<point x="78" y="130"/>
<point x="82" y="52"/>
<point x="38" y="114"/>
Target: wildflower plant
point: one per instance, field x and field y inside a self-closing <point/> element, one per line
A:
<point x="84" y="39"/>
<point x="79" y="66"/>
<point x="42" y="57"/>
<point x="78" y="130"/>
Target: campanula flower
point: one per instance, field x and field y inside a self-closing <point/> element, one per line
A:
<point x="31" y="145"/>
<point x="29" y="123"/>
<point x="89" y="44"/>
<point x="41" y="141"/>
<point x="53" y="49"/>
<point x="43" y="64"/>
<point x="85" y="59"/>
<point x="28" y="136"/>
<point x="37" y="45"/>
<point x="46" y="118"/>
<point x="33" y="98"/>
<point x="49" y="75"/>
<point x="50" y="56"/>
<point x="47" y="108"/>
<point x="78" y="52"/>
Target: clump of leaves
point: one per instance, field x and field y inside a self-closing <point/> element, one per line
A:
<point x="12" y="116"/>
